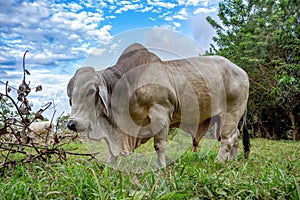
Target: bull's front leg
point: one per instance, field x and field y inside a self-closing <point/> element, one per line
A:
<point x="111" y="159"/>
<point x="229" y="137"/>
<point x="160" y="146"/>
<point x="229" y="145"/>
<point x="159" y="126"/>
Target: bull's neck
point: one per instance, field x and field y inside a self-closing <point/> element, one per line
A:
<point x="127" y="62"/>
<point x="111" y="76"/>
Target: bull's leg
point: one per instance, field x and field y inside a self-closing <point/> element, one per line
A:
<point x="160" y="145"/>
<point x="111" y="159"/>
<point x="195" y="144"/>
<point x="159" y="125"/>
<point x="235" y="146"/>
<point x="202" y="129"/>
<point x="229" y="137"/>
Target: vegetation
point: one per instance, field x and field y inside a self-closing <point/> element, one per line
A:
<point x="271" y="172"/>
<point x="19" y="144"/>
<point x="263" y="37"/>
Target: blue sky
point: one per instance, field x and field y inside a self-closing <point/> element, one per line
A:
<point x="63" y="35"/>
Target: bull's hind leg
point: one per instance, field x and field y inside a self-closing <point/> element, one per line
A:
<point x="229" y="137"/>
<point x="159" y="126"/>
<point x="235" y="146"/>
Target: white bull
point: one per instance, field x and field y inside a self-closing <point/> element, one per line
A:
<point x="142" y="97"/>
<point x="41" y="128"/>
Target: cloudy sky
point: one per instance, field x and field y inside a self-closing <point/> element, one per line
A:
<point x="62" y="35"/>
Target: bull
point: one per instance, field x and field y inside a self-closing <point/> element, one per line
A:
<point x="141" y="97"/>
<point x="41" y="128"/>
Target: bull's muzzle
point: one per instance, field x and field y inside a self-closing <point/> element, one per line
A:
<point x="72" y="126"/>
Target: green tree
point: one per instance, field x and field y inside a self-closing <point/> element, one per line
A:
<point x="263" y="37"/>
<point x="6" y="110"/>
<point x="62" y="123"/>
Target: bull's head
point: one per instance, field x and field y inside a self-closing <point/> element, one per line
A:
<point x="89" y="101"/>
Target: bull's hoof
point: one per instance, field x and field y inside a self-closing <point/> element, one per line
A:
<point x="220" y="159"/>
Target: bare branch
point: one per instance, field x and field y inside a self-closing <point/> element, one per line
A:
<point x="24" y="70"/>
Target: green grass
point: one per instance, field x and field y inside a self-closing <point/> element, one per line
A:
<point x="271" y="172"/>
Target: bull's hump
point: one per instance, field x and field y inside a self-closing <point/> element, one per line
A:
<point x="133" y="47"/>
<point x="136" y="55"/>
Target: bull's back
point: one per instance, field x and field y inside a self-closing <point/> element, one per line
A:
<point x="215" y="81"/>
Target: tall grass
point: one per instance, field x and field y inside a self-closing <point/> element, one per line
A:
<point x="271" y="172"/>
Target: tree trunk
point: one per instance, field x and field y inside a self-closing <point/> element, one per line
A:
<point x="268" y="135"/>
<point x="294" y="124"/>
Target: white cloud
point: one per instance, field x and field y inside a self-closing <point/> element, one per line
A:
<point x="183" y="12"/>
<point x="127" y="7"/>
<point x="47" y="57"/>
<point x="205" y="10"/>
<point x="164" y="14"/>
<point x="181" y="2"/>
<point x="110" y="1"/>
<point x="202" y="3"/>
<point x="176" y="24"/>
<point x="112" y="8"/>
<point x="110" y="17"/>
<point x="161" y="4"/>
<point x="125" y="2"/>
<point x="75" y="7"/>
<point x="195" y="2"/>
<point x="96" y="51"/>
<point x="146" y="9"/>
<point x="74" y="36"/>
<point x="181" y="15"/>
<point x="104" y="33"/>
<point x="168" y="18"/>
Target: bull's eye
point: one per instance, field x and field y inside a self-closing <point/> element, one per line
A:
<point x="91" y="92"/>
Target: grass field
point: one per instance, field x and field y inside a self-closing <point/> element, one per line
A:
<point x="271" y="172"/>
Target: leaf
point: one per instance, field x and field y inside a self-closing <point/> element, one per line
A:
<point x="38" y="115"/>
<point x="24" y="110"/>
<point x="38" y="88"/>
<point x="27" y="72"/>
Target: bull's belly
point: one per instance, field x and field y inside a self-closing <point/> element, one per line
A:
<point x="193" y="121"/>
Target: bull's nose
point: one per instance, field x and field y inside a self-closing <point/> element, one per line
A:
<point x="72" y="126"/>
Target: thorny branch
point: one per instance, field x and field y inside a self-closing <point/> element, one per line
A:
<point x="15" y="135"/>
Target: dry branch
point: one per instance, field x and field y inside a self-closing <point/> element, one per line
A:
<point x="17" y="138"/>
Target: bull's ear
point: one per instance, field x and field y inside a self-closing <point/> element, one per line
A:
<point x="70" y="86"/>
<point x="103" y="94"/>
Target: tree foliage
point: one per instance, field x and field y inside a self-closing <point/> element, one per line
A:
<point x="263" y="37"/>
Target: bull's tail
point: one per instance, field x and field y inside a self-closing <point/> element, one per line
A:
<point x="246" y="136"/>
